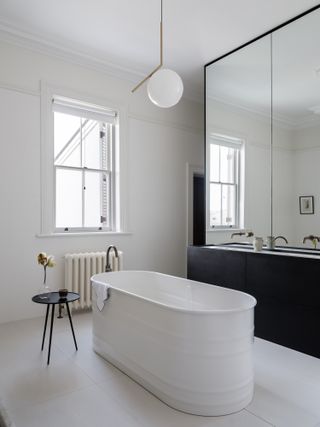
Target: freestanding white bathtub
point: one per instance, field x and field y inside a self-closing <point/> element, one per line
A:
<point x="188" y="343"/>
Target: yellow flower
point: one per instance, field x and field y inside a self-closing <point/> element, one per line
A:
<point x="51" y="262"/>
<point x="46" y="260"/>
<point x="42" y="258"/>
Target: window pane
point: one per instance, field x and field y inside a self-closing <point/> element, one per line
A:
<point x="214" y="163"/>
<point x="67" y="134"/>
<point x="68" y="198"/>
<point x="228" y="205"/>
<point x="215" y="205"/>
<point x="92" y="145"/>
<point x="227" y="156"/>
<point x="96" y="211"/>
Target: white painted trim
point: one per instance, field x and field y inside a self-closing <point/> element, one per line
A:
<point x="282" y="121"/>
<point x="243" y="143"/>
<point x="46" y="161"/>
<point x="9" y="33"/>
<point x="301" y="149"/>
<point x="191" y="170"/>
<point x="72" y="53"/>
<point x="48" y="90"/>
<point x="224" y="230"/>
<point x="19" y="89"/>
<point x="92" y="233"/>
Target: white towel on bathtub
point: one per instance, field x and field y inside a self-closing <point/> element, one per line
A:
<point x="102" y="292"/>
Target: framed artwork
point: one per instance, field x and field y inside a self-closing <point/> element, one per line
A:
<point x="306" y="205"/>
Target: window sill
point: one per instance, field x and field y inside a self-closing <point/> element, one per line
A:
<point x="85" y="233"/>
<point x="224" y="230"/>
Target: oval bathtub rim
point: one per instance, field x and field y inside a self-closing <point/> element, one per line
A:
<point x="171" y="307"/>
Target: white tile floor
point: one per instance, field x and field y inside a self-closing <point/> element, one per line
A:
<point x="81" y="389"/>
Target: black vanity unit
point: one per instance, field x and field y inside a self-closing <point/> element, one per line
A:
<point x="286" y="286"/>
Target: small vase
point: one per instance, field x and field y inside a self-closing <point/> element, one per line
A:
<point x="45" y="290"/>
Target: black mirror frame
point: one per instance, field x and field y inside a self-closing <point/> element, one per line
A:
<point x="284" y="24"/>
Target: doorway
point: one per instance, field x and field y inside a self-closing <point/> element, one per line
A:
<point x="195" y="205"/>
<point x="198" y="210"/>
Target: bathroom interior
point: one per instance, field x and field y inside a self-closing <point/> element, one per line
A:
<point x="182" y="281"/>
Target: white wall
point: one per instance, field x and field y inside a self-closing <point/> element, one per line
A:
<point x="306" y="180"/>
<point x="283" y="187"/>
<point x="296" y="173"/>
<point x="159" y="144"/>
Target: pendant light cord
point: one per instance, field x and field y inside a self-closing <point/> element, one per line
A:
<point x="161" y="54"/>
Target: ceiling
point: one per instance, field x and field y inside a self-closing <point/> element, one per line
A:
<point x="123" y="34"/>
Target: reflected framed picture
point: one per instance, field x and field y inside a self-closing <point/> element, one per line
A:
<point x="306" y="205"/>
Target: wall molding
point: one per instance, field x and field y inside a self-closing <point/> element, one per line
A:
<point x="301" y="149"/>
<point x="71" y="53"/>
<point x="282" y="121"/>
<point x="140" y="117"/>
<point x="22" y="38"/>
<point x="19" y="89"/>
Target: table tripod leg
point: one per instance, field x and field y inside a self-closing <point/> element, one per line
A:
<point x="50" y="339"/>
<point x="45" y="327"/>
<point x="74" y="338"/>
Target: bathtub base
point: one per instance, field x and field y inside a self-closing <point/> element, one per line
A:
<point x="128" y="367"/>
<point x="188" y="343"/>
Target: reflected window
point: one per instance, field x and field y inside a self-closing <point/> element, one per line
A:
<point x="224" y="182"/>
<point x="84" y="163"/>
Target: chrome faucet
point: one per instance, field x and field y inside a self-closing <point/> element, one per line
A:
<point x="314" y="239"/>
<point x="243" y="233"/>
<point x="271" y="241"/>
<point x="280" y="237"/>
<point x="108" y="266"/>
<point x="239" y="233"/>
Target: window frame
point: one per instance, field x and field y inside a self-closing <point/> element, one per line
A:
<point x="83" y="169"/>
<point x="119" y="201"/>
<point x="237" y="145"/>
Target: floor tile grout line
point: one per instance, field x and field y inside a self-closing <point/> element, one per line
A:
<point x="70" y="357"/>
<point x="89" y="375"/>
<point x="130" y="412"/>
<point x="57" y="395"/>
<point x="53" y="397"/>
<point x="260" y="418"/>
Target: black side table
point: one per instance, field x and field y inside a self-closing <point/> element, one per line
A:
<point x="52" y="299"/>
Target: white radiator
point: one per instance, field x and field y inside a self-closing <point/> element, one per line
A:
<point x="79" y="268"/>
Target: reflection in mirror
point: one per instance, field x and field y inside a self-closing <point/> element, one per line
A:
<point x="296" y="131"/>
<point x="238" y="144"/>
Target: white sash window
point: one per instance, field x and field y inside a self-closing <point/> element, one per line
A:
<point x="224" y="182"/>
<point x="84" y="166"/>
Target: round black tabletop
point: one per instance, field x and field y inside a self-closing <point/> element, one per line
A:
<point x="54" y="298"/>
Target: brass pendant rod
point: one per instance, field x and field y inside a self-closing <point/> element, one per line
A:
<point x="161" y="57"/>
<point x="161" y="35"/>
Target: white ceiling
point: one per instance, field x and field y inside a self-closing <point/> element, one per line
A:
<point x="123" y="34"/>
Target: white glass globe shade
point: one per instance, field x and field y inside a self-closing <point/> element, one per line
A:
<point x="165" y="88"/>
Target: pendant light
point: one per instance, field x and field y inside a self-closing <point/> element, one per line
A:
<point x="165" y="87"/>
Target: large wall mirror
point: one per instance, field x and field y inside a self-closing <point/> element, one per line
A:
<point x="263" y="137"/>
